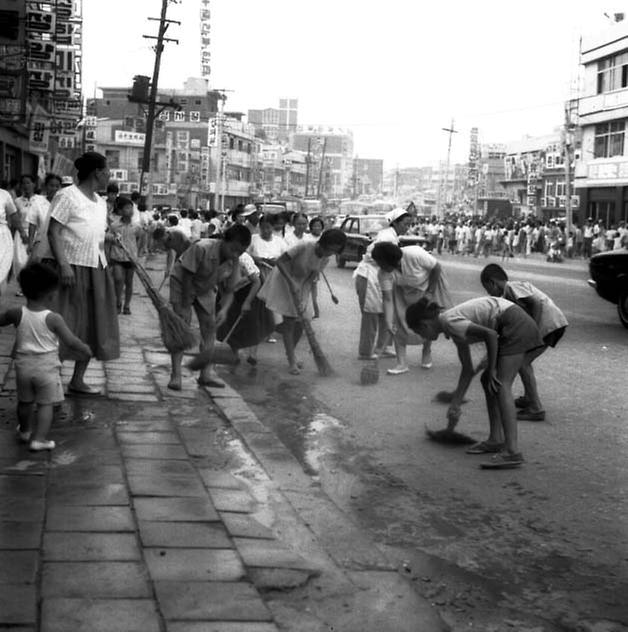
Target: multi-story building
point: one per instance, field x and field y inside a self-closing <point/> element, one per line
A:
<point x="283" y="172"/>
<point x="367" y="177"/>
<point x="274" y="125"/>
<point x="184" y="154"/>
<point x="534" y="176"/>
<point x="40" y="92"/>
<point x="601" y="172"/>
<point x="329" y="152"/>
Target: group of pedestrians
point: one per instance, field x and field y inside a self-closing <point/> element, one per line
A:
<point x="403" y="296"/>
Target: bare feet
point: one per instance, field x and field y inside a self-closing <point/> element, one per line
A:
<point x="174" y="384"/>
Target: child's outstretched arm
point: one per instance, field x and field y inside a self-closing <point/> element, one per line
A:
<point x="490" y="339"/>
<point x="11" y="316"/>
<point x="466" y="375"/>
<point x="57" y="325"/>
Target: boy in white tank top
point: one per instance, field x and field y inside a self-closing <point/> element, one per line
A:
<point x="37" y="364"/>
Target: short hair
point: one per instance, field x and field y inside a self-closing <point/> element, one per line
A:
<point x="159" y="233"/>
<point x="112" y="187"/>
<point x="317" y="220"/>
<point x="493" y="272"/>
<point x="30" y="176"/>
<point x="89" y="162"/>
<point x="296" y="216"/>
<point x="183" y="213"/>
<point x="333" y="237"/>
<point x="238" y="233"/>
<point x="37" y="279"/>
<point x="121" y="202"/>
<point x="135" y="195"/>
<point x="387" y="253"/>
<point x="52" y="176"/>
<point x="173" y="220"/>
<point x="423" y="309"/>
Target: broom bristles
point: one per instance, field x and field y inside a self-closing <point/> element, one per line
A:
<point x="175" y="332"/>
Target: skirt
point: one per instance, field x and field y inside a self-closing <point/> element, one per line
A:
<point x="6" y="252"/>
<point x="255" y="326"/>
<point x="89" y="309"/>
<point x="518" y="333"/>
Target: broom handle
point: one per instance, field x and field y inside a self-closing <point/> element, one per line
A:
<point x="235" y="324"/>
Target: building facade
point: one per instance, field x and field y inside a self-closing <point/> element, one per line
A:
<point x="601" y="171"/>
<point x="367" y="177"/>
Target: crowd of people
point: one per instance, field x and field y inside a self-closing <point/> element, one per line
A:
<point x="462" y="236"/>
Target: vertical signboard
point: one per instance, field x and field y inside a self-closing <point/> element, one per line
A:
<point x="205" y="39"/>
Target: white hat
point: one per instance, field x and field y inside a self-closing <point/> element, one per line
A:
<point x="395" y="214"/>
<point x="249" y="209"/>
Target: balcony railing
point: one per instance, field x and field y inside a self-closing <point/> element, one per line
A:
<point x="605" y="102"/>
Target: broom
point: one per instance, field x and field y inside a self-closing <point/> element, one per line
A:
<point x="176" y="334"/>
<point x="218" y="354"/>
<point x="323" y="366"/>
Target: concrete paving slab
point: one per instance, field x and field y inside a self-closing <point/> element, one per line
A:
<point x="222" y="565"/>
<point x="266" y="579"/>
<point x="147" y="413"/>
<point x="181" y="486"/>
<point x="158" y="467"/>
<point x="88" y="495"/>
<point x="18" y="605"/>
<point x="18" y="567"/>
<point x="22" y="509"/>
<point x="20" y="535"/>
<point x="155" y="451"/>
<point x="99" y="615"/>
<point x="184" y="535"/>
<point x="148" y="438"/>
<point x="207" y="601"/>
<point x="138" y="425"/>
<point x="176" y="509"/>
<point x="95" y="580"/>
<point x="132" y="397"/>
<point x="219" y="479"/>
<point x="270" y="554"/>
<point x="94" y="547"/>
<point x="233" y="500"/>
<point x="78" y="518"/>
<point x="244" y="526"/>
<point x="132" y="386"/>
<point x="219" y="626"/>
<point x="17" y="485"/>
<point x="74" y="474"/>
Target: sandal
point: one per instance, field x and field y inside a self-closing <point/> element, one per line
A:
<point x="503" y="461"/>
<point x="398" y="370"/>
<point x="484" y="447"/>
<point x="294" y="370"/>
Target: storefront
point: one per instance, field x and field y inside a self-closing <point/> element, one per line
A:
<point x="610" y="204"/>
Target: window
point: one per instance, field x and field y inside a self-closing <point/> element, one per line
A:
<point x="179" y="116"/>
<point x="609" y="139"/>
<point x="195" y="117"/>
<point x="612" y="73"/>
<point x="560" y="189"/>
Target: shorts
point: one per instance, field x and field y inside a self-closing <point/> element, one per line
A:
<point x="38" y="378"/>
<point x="518" y="333"/>
<point x="204" y="307"/>
<point x="127" y="265"/>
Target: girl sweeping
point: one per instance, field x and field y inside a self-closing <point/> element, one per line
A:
<point x="294" y="274"/>
<point x="508" y="333"/>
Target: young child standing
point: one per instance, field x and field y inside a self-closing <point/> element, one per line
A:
<point x="551" y="323"/>
<point x="123" y="228"/>
<point x="37" y="354"/>
<point x="508" y="333"/>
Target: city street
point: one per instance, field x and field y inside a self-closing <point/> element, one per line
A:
<point x="538" y="547"/>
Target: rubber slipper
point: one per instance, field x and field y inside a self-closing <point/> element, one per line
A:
<point x="400" y="371"/>
<point x="529" y="415"/>
<point x="210" y="382"/>
<point x="522" y="402"/>
<point x="83" y="390"/>
<point x="484" y="447"/>
<point x="503" y="461"/>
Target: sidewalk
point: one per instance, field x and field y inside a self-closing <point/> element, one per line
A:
<point x="151" y="515"/>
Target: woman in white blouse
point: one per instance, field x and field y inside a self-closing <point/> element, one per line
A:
<point x="9" y="220"/>
<point x="87" y="299"/>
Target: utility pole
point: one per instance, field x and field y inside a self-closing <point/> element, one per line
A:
<point x="308" y="160"/>
<point x="451" y="131"/>
<point x="320" y="171"/>
<point x="567" y="137"/>
<point x="152" y="100"/>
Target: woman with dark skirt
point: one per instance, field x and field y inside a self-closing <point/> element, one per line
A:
<point x="87" y="297"/>
<point x="256" y="322"/>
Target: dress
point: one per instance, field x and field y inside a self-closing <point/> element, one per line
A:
<point x="89" y="306"/>
<point x="305" y="266"/>
<point x="7" y="208"/>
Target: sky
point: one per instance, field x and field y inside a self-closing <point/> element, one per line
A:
<point x="395" y="72"/>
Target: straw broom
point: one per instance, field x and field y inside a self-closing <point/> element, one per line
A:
<point x="323" y="366"/>
<point x="176" y="334"/>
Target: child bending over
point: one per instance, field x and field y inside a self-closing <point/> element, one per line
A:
<point x="508" y="333"/>
<point x="37" y="364"/>
<point x="551" y="323"/>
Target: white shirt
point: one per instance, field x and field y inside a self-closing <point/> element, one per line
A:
<point x="263" y="249"/>
<point x="7" y="206"/>
<point x="482" y="311"/>
<point x="84" y="223"/>
<point x="185" y="224"/>
<point x="416" y="266"/>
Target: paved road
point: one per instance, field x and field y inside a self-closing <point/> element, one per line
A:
<point x="543" y="546"/>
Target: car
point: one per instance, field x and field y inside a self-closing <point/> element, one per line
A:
<point x="361" y="230"/>
<point x="609" y="277"/>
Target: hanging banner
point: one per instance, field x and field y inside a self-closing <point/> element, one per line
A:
<point x="205" y="39"/>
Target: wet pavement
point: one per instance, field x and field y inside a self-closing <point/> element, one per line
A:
<point x="177" y="512"/>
